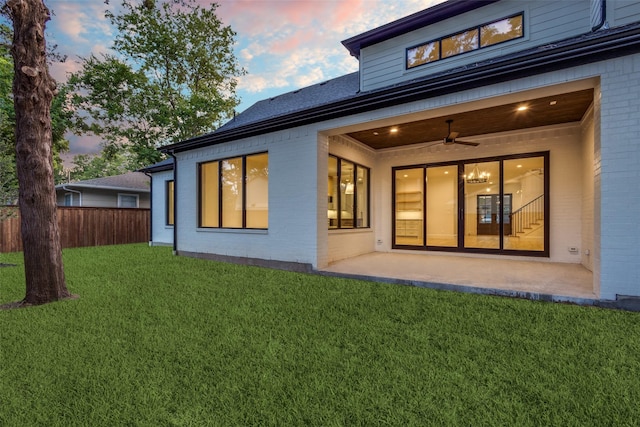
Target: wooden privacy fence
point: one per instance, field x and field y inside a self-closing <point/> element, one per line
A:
<point x="80" y="226"/>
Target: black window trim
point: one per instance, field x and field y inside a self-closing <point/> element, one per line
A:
<point x="355" y="195"/>
<point x="169" y="209"/>
<point x="244" y="192"/>
<point x="545" y="253"/>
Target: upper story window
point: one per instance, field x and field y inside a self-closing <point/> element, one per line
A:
<point x="484" y="35"/>
<point x="234" y="193"/>
<point x="348" y="204"/>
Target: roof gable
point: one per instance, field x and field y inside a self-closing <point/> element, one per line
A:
<point x="412" y="22"/>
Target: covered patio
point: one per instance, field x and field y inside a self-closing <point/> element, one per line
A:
<point x="561" y="282"/>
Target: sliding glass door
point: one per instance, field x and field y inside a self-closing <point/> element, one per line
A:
<point x="409" y="207"/>
<point x="483" y="205"/>
<point x="442" y="206"/>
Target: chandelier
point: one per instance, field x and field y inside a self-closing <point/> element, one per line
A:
<point x="477" y="177"/>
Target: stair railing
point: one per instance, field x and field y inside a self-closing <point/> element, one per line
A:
<point x="527" y="216"/>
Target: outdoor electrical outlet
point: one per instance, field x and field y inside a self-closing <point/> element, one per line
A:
<point x="379" y="241"/>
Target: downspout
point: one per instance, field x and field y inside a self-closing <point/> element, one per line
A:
<point x="150" y="207"/>
<point x="79" y="193"/>
<point x="603" y="16"/>
<point x="175" y="202"/>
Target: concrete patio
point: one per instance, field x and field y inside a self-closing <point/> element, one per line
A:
<point x="516" y="278"/>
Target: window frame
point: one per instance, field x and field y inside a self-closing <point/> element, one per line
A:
<point x="356" y="189"/>
<point x="243" y="160"/>
<point x="170" y="202"/>
<point x="477" y="28"/>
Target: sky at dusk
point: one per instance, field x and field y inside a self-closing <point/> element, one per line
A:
<point x="283" y="44"/>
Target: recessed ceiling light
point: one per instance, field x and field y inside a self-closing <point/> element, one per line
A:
<point x="522" y="108"/>
<point x="553" y="102"/>
<point x="519" y="166"/>
<point x="376" y="133"/>
<point x="393" y="130"/>
<point x="406" y="176"/>
<point x="446" y="172"/>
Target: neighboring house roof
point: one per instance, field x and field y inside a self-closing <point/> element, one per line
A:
<point x="165" y="165"/>
<point x="298" y="108"/>
<point x="131" y="181"/>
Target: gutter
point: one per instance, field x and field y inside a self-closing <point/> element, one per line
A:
<point x="79" y="193"/>
<point x="555" y="56"/>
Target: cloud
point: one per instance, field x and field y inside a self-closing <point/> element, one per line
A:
<point x="284" y="44"/>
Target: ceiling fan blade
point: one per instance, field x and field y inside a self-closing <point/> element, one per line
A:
<point x="474" y="144"/>
<point x="453" y="135"/>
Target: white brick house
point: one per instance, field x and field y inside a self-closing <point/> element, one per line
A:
<point x="500" y="129"/>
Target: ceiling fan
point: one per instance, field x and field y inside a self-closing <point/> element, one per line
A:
<point x="451" y="138"/>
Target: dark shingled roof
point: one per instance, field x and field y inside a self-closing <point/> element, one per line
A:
<point x="165" y="165"/>
<point x="342" y="87"/>
<point x="341" y="96"/>
<point x="134" y="181"/>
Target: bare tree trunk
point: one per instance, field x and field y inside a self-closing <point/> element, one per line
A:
<point x="33" y="90"/>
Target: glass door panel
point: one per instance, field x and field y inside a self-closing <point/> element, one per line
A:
<point x="524" y="223"/>
<point x="442" y="206"/>
<point x="409" y="207"/>
<point x="332" y="202"/>
<point x="483" y="215"/>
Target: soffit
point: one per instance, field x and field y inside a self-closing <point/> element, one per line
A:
<point x="544" y="111"/>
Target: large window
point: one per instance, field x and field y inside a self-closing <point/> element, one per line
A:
<point x="234" y="193"/>
<point x="170" y="202"/>
<point x="484" y="35"/>
<point x="348" y="204"/>
<point x="486" y="205"/>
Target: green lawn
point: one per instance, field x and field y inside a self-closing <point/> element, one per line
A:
<point x="158" y="340"/>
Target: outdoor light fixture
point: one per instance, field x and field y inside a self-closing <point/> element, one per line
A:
<point x="477" y="177"/>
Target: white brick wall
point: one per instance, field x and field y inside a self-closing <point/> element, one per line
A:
<point x="620" y="174"/>
<point x="162" y="234"/>
<point x="291" y="235"/>
<point x="298" y="169"/>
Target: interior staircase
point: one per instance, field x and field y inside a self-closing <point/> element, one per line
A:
<point x="528" y="218"/>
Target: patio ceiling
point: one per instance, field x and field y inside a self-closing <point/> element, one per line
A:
<point x="550" y="110"/>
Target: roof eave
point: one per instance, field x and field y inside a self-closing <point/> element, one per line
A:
<point x="152" y="169"/>
<point x="544" y="59"/>
<point x="434" y="14"/>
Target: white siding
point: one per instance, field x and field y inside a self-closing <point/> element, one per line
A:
<point x="546" y="21"/>
<point x="622" y="12"/>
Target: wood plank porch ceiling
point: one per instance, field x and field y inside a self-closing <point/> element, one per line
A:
<point x="550" y="110"/>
